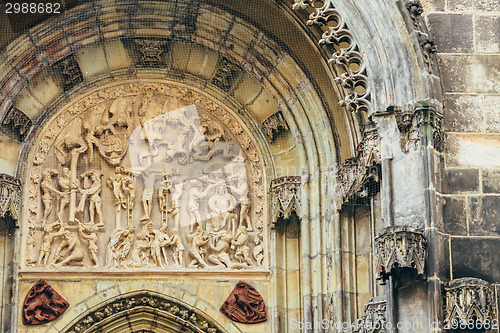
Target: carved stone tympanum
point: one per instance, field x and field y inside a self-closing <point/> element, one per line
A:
<point x="245" y="305"/>
<point x="285" y="197"/>
<point x="469" y="299"/>
<point x="42" y="304"/>
<point x="140" y="176"/>
<point x="399" y="247"/>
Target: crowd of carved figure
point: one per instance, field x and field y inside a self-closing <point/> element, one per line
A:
<point x="216" y="231"/>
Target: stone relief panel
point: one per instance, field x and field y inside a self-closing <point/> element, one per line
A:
<point x="140" y="177"/>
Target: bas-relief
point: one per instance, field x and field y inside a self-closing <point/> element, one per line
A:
<point x="144" y="177"/>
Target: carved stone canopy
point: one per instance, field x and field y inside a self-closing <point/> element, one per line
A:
<point x="399" y="248"/>
<point x="10" y="196"/>
<point x="469" y="299"/>
<point x="285" y="197"/>
<point x="245" y="305"/>
<point x="42" y="304"/>
<point x="374" y="317"/>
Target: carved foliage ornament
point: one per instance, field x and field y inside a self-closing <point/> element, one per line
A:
<point x="348" y="58"/>
<point x="165" y="308"/>
<point x="285" y="197"/>
<point x="399" y="247"/>
<point x="358" y="178"/>
<point x="374" y="317"/>
<point x="469" y="299"/>
<point x="42" y="304"/>
<point x="10" y="196"/>
<point x="245" y="305"/>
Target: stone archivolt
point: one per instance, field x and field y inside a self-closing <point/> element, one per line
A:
<point x="165" y="310"/>
<point x="145" y="176"/>
<point x="399" y="247"/>
<point x="469" y="300"/>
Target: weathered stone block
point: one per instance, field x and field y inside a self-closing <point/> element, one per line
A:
<point x="473" y="5"/>
<point x="476" y="257"/>
<point x="491" y="114"/>
<point x="487" y="34"/>
<point x="463" y="113"/>
<point x="453" y="33"/>
<point x="461" y="180"/>
<point x="484" y="216"/>
<point x="474" y="150"/>
<point x="491" y="181"/>
<point x="454" y="216"/>
<point x="468" y="73"/>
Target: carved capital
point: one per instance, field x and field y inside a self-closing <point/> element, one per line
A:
<point x="358" y="97"/>
<point x="16" y="123"/>
<point x="374" y="316"/>
<point x="358" y="178"/>
<point x="399" y="247"/>
<point x="273" y="125"/>
<point x="469" y="299"/>
<point x="10" y="196"/>
<point x="285" y="197"/>
<point x="423" y="124"/>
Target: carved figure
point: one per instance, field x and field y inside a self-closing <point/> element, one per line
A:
<point x="220" y="246"/>
<point x="160" y="240"/>
<point x="69" y="251"/>
<point x="119" y="247"/>
<point x="66" y="186"/>
<point x="222" y="205"/>
<point x="240" y="242"/>
<point x="30" y="248"/>
<point x="48" y="238"/>
<point x="198" y="240"/>
<point x="142" y="251"/>
<point x="48" y="190"/>
<point x="147" y="194"/>
<point x="245" y="305"/>
<point x="42" y="304"/>
<point x="94" y="192"/>
<point x="115" y="183"/>
<point x="175" y="207"/>
<point x="71" y="142"/>
<point x="89" y="233"/>
<point x="178" y="248"/>
<point x="242" y="191"/>
<point x="108" y="130"/>
<point x="193" y="206"/>
<point x="165" y="198"/>
<point x="258" y="250"/>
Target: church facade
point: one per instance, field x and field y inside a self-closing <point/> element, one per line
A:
<point x="234" y="166"/>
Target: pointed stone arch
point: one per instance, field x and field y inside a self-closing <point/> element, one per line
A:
<point x="143" y="311"/>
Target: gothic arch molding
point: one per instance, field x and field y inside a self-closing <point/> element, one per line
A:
<point x="144" y="311"/>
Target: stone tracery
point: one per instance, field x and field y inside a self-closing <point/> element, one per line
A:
<point x="127" y="173"/>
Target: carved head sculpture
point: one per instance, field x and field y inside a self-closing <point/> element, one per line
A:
<point x="108" y="129"/>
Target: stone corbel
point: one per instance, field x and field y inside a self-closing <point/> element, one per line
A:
<point x="285" y="197"/>
<point x="469" y="299"/>
<point x="358" y="178"/>
<point x="10" y="197"/>
<point x="274" y="125"/>
<point x="374" y="316"/>
<point x="423" y="125"/>
<point x="16" y="123"/>
<point x="399" y="248"/>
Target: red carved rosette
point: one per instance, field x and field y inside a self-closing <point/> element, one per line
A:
<point x="42" y="304"/>
<point x="245" y="305"/>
